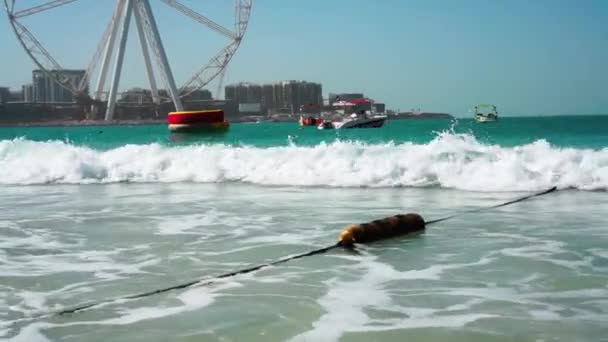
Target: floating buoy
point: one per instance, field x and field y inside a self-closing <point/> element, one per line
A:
<point x="309" y="121"/>
<point x="200" y="120"/>
<point x="381" y="229"/>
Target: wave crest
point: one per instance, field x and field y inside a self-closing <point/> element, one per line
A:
<point x="450" y="160"/>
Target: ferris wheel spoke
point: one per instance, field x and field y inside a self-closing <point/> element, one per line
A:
<point x="41" y="8"/>
<point x="122" y="38"/>
<point x="147" y="28"/>
<point x="213" y="68"/>
<point x="114" y="24"/>
<point x="9" y="8"/>
<point x="33" y="46"/>
<point x="159" y="51"/>
<point x="143" y="40"/>
<point x="243" y="11"/>
<point x="200" y="18"/>
<point x="100" y="49"/>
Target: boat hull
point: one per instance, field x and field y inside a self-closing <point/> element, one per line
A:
<point x="210" y="127"/>
<point x="485" y="119"/>
<point x="375" y="122"/>
<point x="366" y="123"/>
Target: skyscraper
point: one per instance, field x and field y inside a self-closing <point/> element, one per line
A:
<point x="268" y="100"/>
<point x="4" y="95"/>
<point x="290" y="96"/>
<point x="28" y="93"/>
<point x="297" y="95"/>
<point x="244" y="93"/>
<point x="47" y="90"/>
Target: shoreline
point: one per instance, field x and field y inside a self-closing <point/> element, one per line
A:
<point x="155" y="122"/>
<point x="85" y="123"/>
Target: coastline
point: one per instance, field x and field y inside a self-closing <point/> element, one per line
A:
<point x="84" y="123"/>
<point x="71" y="122"/>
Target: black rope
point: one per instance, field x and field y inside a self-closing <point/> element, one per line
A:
<point x="208" y="281"/>
<point x="493" y="207"/>
<point x="201" y="282"/>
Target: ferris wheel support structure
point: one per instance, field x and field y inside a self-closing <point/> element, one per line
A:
<point x="124" y="33"/>
<point x="146" y="54"/>
<point x="157" y="47"/>
<point x="108" y="58"/>
<point x="109" y="47"/>
<point x="148" y="37"/>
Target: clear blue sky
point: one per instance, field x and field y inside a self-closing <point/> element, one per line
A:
<point x="528" y="57"/>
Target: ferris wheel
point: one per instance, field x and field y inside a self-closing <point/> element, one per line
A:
<point x="113" y="42"/>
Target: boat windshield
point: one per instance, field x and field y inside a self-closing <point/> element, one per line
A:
<point x="485" y="109"/>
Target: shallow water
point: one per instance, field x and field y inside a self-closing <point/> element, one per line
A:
<point x="90" y="214"/>
<point x="536" y="270"/>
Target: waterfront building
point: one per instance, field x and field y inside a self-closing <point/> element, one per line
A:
<point x="136" y="96"/>
<point x="379" y="107"/>
<point x="4" y="95"/>
<point x="302" y="94"/>
<point x="334" y="97"/>
<point x="46" y="89"/>
<point x="15" y="96"/>
<point x="197" y="95"/>
<point x="268" y="98"/>
<point x="28" y="93"/>
<point x="250" y="108"/>
<point x="243" y="93"/>
<point x="287" y="96"/>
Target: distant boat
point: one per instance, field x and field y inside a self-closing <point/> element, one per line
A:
<point x="486" y="113"/>
<point x="355" y="121"/>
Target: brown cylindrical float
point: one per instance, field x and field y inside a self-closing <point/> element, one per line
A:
<point x="381" y="229"/>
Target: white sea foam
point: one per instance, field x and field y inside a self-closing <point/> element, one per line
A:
<point x="192" y="299"/>
<point x="100" y="263"/>
<point x="30" y="333"/>
<point x="343" y="315"/>
<point x="450" y="160"/>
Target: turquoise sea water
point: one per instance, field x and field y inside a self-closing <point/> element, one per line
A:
<point x="570" y="131"/>
<point x="90" y="213"/>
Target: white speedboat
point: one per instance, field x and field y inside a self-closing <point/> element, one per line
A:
<point x="355" y="121"/>
<point x="489" y="116"/>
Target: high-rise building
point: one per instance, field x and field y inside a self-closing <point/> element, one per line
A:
<point x="300" y="95"/>
<point x="198" y="95"/>
<point x="290" y="96"/>
<point x="28" y="93"/>
<point x="268" y="98"/>
<point x="230" y="93"/>
<point x="15" y="96"/>
<point x="47" y="90"/>
<point x="4" y="95"/>
<point x="138" y="96"/>
<point x="277" y="96"/>
<point x="244" y="93"/>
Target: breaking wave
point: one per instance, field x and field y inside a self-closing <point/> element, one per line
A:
<point x="450" y="160"/>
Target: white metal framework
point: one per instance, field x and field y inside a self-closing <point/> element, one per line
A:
<point x="112" y="46"/>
